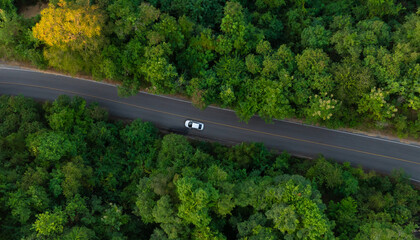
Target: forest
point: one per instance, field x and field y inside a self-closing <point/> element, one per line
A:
<point x="337" y="63"/>
<point x="69" y="171"/>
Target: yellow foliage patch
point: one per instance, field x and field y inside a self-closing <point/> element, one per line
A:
<point x="68" y="25"/>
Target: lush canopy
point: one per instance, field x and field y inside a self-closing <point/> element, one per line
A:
<point x="333" y="62"/>
<point x="68" y="172"/>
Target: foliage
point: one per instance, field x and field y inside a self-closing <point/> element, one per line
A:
<point x="265" y="58"/>
<point x="376" y="105"/>
<point x="68" y="26"/>
<point x="50" y="147"/>
<point x="157" y="70"/>
<point x="321" y="108"/>
<point x="67" y="172"/>
<point x="16" y="39"/>
<point x="49" y="224"/>
<point x="380" y="8"/>
<point x="315" y="37"/>
<point x="72" y="34"/>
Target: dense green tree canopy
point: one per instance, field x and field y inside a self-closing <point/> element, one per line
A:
<point x="321" y="61"/>
<point x="68" y="172"/>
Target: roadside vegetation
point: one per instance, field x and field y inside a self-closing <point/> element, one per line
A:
<point x="68" y="172"/>
<point x="332" y="62"/>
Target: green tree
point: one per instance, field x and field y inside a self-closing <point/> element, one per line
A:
<point x="196" y="199"/>
<point x="284" y="218"/>
<point x="80" y="233"/>
<point x="142" y="138"/>
<point x="50" y="225"/>
<point x="380" y="8"/>
<point x="239" y="36"/>
<point x="124" y="15"/>
<point x="7" y="5"/>
<point x="114" y="217"/>
<point x="76" y="208"/>
<point x="233" y="26"/>
<point x="313" y="64"/>
<point x="49" y="147"/>
<point x="373" y="32"/>
<point x="321" y="108"/>
<point x="220" y="180"/>
<point x="19" y="204"/>
<point x="344" y="213"/>
<point x="315" y="37"/>
<point x="68" y="115"/>
<point x="269" y="99"/>
<point x="39" y="198"/>
<point x="73" y="175"/>
<point x="292" y="193"/>
<point x="385" y="231"/>
<point x="166" y="214"/>
<point x="16" y="39"/>
<point x="231" y="73"/>
<point x="326" y="174"/>
<point x="345" y="39"/>
<point x="270" y="24"/>
<point x="199" y="54"/>
<point x="248" y="156"/>
<point x="171" y="31"/>
<point x="296" y="20"/>
<point x="409" y="31"/>
<point x="352" y="81"/>
<point x="157" y="70"/>
<point x="145" y="201"/>
<point x="255" y="228"/>
<point x="375" y="105"/>
<point x="175" y="151"/>
<point x="207" y="13"/>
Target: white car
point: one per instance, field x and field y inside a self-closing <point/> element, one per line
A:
<point x="194" y="125"/>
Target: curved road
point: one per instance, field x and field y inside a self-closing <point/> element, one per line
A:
<point x="222" y="125"/>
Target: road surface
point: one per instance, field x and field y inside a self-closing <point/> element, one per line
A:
<point x="379" y="154"/>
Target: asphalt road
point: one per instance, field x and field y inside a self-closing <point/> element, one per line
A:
<point x="382" y="155"/>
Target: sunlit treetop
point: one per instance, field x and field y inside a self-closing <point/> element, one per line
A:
<point x="69" y="25"/>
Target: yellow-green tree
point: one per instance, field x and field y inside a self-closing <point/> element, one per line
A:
<point x="72" y="32"/>
<point x="69" y="25"/>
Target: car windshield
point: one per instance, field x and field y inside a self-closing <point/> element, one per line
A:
<point x="190" y="124"/>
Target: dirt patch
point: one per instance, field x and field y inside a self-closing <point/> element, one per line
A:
<point x="32" y="11"/>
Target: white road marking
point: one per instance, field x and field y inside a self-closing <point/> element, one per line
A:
<point x="415" y="180"/>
